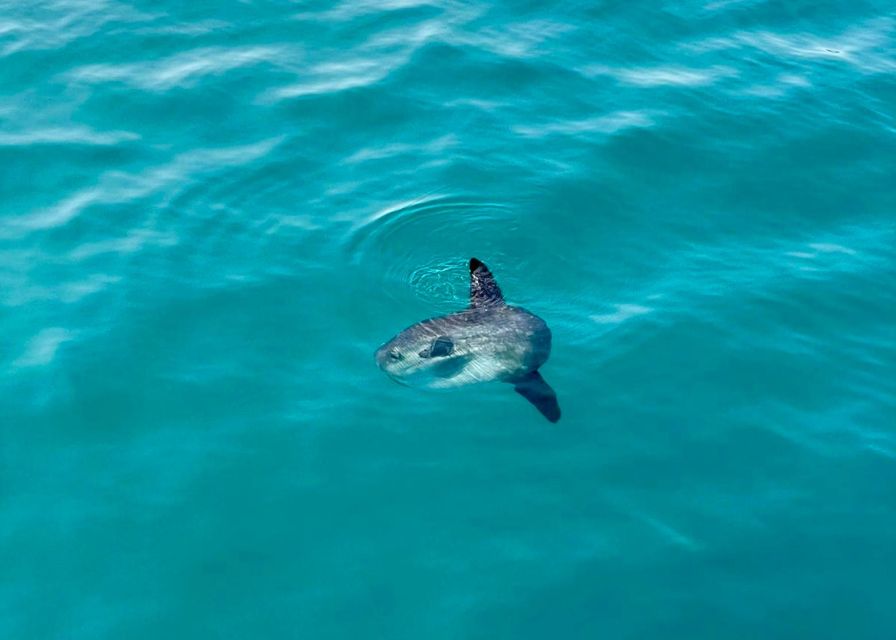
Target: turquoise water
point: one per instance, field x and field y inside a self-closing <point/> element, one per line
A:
<point x="213" y="213"/>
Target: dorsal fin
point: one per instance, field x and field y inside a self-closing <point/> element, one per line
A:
<point x="484" y="290"/>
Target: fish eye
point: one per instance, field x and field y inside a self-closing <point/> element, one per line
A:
<point x="394" y="355"/>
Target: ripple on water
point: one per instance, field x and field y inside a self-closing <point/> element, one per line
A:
<point x="422" y="245"/>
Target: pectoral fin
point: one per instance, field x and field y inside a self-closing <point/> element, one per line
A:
<point x="439" y="348"/>
<point x="534" y="389"/>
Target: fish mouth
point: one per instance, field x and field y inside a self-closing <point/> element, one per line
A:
<point x="379" y="356"/>
<point x="387" y="355"/>
<point x="393" y="363"/>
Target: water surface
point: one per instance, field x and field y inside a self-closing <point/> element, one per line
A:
<point x="212" y="213"/>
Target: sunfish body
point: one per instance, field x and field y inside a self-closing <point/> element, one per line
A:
<point x="488" y="341"/>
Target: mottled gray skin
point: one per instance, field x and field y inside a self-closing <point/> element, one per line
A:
<point x="490" y="340"/>
<point x="496" y="342"/>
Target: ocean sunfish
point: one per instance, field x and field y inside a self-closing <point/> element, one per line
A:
<point x="488" y="341"/>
